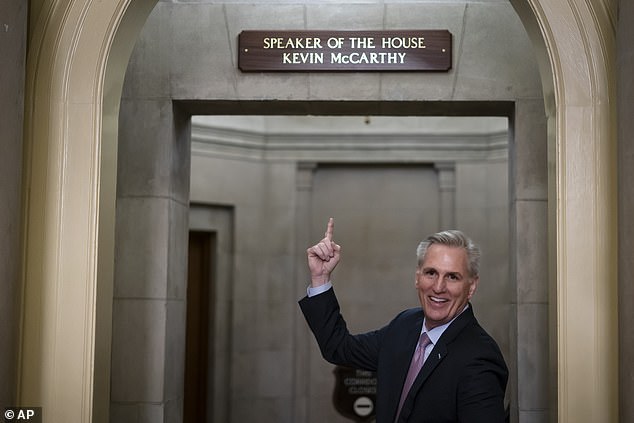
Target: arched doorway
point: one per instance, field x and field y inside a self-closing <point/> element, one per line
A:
<point x="73" y="88"/>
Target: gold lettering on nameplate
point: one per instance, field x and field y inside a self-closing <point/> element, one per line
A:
<point x="412" y="50"/>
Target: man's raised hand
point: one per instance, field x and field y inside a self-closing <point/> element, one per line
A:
<point x="323" y="257"/>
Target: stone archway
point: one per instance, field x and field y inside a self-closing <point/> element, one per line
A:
<point x="76" y="62"/>
<point x="78" y="52"/>
<point x="583" y="238"/>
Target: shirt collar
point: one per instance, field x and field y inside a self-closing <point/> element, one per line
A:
<point x="435" y="333"/>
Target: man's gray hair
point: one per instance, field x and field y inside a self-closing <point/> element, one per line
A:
<point x="452" y="238"/>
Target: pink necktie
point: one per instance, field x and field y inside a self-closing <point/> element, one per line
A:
<point x="414" y="368"/>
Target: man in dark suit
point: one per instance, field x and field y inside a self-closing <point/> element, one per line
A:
<point x="434" y="363"/>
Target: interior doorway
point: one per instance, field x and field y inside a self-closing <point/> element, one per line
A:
<point x="406" y="175"/>
<point x="209" y="314"/>
<point x="200" y="289"/>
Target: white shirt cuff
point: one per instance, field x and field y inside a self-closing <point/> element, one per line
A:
<point x="311" y="292"/>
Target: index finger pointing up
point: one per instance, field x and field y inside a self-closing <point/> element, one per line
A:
<point x="330" y="228"/>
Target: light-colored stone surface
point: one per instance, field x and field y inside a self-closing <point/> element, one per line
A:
<point x="537" y="416"/>
<point x="138" y="345"/>
<point x="142" y="252"/>
<point x="507" y="72"/>
<point x="152" y="42"/>
<point x="203" y="55"/>
<point x="177" y="251"/>
<point x="531" y="278"/>
<point x="145" y="151"/>
<point x="350" y="16"/>
<point x="381" y="214"/>
<point x="533" y="357"/>
<point x="267" y="409"/>
<point x="529" y="151"/>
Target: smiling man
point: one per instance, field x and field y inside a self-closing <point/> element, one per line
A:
<point x="434" y="363"/>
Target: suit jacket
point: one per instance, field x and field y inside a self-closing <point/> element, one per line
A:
<point x="463" y="379"/>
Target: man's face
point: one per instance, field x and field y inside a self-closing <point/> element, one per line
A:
<point x="444" y="284"/>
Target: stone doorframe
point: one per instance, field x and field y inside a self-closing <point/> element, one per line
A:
<point x="528" y="361"/>
<point x="77" y="57"/>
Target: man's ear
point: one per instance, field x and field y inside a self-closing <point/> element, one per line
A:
<point x="473" y="286"/>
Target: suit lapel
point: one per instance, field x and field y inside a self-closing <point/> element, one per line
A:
<point x="440" y="349"/>
<point x="403" y="356"/>
<point x="438" y="353"/>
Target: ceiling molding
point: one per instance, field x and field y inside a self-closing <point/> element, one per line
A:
<point x="406" y="146"/>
